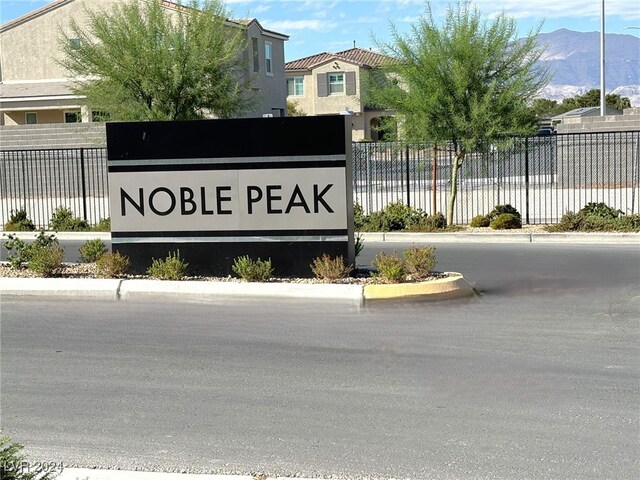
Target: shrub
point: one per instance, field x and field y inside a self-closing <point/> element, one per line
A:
<point x="603" y="221"/>
<point x="502" y="209"/>
<point x="394" y="217"/>
<point x="419" y="261"/>
<point x="23" y="251"/>
<point x="171" y="268"/>
<point x="63" y="220"/>
<point x="506" y="221"/>
<point x="430" y="223"/>
<point x="359" y="244"/>
<point x="13" y="462"/>
<point x="45" y="260"/>
<point x="359" y="218"/>
<point x="327" y="268"/>
<point x="252" y="270"/>
<point x="92" y="250"/>
<point x="480" y="221"/>
<point x="600" y="210"/>
<point x="629" y="223"/>
<point x="112" y="264"/>
<point x="104" y="225"/>
<point x="391" y="268"/>
<point x="19" y="222"/>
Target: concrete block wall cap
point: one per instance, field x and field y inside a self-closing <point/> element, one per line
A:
<point x="131" y="288"/>
<point x="87" y="287"/>
<point x="450" y="287"/>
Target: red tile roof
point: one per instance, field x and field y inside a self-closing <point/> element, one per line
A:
<point x="359" y="56"/>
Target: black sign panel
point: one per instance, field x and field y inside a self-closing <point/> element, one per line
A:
<point x="276" y="188"/>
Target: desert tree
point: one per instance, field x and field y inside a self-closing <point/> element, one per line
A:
<point x="147" y="61"/>
<point x="468" y="81"/>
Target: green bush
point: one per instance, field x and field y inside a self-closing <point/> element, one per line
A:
<point x="104" y="225"/>
<point x="628" y="223"/>
<point x="506" y="221"/>
<point x="480" y="221"/>
<point x="22" y="251"/>
<point x="329" y="269"/>
<point x="359" y="218"/>
<point x="112" y="265"/>
<point x="502" y="209"/>
<point x="394" y="217"/>
<point x="13" y="462"/>
<point x="597" y="217"/>
<point x="359" y="245"/>
<point x="63" y="220"/>
<point x="600" y="210"/>
<point x="252" y="270"/>
<point x="45" y="260"/>
<point x="419" y="261"/>
<point x="431" y="223"/>
<point x="19" y="222"/>
<point x="171" y="268"/>
<point x="391" y="268"/>
<point x="92" y="250"/>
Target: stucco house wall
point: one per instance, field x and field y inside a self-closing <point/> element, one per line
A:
<point x="31" y="78"/>
<point x="314" y="102"/>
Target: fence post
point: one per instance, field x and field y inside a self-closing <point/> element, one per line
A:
<point x="406" y="155"/>
<point x="434" y="195"/>
<point x="84" y="186"/>
<point x="526" y="178"/>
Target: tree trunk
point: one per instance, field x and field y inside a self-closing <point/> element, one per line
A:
<point x="457" y="162"/>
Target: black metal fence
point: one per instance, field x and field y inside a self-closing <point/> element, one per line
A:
<point x="40" y="181"/>
<point x="543" y="177"/>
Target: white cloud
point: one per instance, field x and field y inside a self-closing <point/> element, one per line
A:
<point x="291" y="25"/>
<point x="557" y="8"/>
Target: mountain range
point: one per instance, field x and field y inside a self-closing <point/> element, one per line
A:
<point x="573" y="59"/>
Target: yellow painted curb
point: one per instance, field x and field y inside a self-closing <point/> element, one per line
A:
<point x="452" y="286"/>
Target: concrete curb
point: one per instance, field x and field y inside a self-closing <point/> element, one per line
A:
<point x="95" y="474"/>
<point x="131" y="289"/>
<point x="568" y="237"/>
<point x="454" y="286"/>
<point x="83" y="287"/>
<point x="204" y="289"/>
<point x="416" y="237"/>
<point x="104" y="236"/>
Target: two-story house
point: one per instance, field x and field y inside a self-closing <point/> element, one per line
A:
<point x="35" y="89"/>
<point x="333" y="83"/>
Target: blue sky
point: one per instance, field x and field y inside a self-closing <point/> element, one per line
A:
<point x="315" y="26"/>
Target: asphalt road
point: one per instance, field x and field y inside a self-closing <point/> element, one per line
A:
<point x="537" y="377"/>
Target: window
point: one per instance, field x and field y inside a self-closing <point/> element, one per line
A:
<point x="267" y="58"/>
<point x="31" y="118"/>
<point x="74" y="42"/>
<point x="295" y="86"/>
<point x="72" y="117"/>
<point x="256" y="55"/>
<point x="336" y="83"/>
